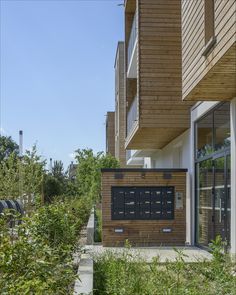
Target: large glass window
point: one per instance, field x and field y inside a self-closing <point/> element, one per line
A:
<point x="213" y="175"/>
<point x="228" y="201"/>
<point x="213" y="131"/>
<point x="222" y="127"/>
<point x="204" y="174"/>
<point x="204" y="130"/>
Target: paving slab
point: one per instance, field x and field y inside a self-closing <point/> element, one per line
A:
<point x="191" y="254"/>
<point x="84" y="285"/>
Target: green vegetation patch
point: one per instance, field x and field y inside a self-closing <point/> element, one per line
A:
<point x="129" y="274"/>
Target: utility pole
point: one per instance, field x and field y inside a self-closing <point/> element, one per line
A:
<point x="20" y="166"/>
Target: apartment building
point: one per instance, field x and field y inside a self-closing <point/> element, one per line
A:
<point x="180" y="104"/>
<point x="178" y="52"/>
<point x="116" y="128"/>
<point x="110" y="133"/>
<point x="120" y="119"/>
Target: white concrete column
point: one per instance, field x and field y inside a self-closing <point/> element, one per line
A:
<point x="189" y="240"/>
<point x="233" y="175"/>
<point x="191" y="203"/>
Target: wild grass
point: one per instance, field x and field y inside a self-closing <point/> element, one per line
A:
<point x="128" y="274"/>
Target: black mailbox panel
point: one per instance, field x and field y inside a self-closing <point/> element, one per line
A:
<point x="154" y="203"/>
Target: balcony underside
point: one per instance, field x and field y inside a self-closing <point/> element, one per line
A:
<point x="152" y="138"/>
<point x="219" y="83"/>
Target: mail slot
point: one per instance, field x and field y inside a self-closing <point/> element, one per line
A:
<point x="130" y="203"/>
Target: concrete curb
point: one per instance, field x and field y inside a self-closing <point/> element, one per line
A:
<point x="90" y="229"/>
<point x="84" y="285"/>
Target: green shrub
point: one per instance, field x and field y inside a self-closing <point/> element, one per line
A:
<point x="30" y="266"/>
<point x="55" y="225"/>
<point x="36" y="257"/>
<point x="98" y="225"/>
<point x="128" y="274"/>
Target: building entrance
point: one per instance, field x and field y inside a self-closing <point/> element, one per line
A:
<point x="212" y="183"/>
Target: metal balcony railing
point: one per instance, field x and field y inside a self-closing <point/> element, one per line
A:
<point x="132" y="116"/>
<point x="132" y="38"/>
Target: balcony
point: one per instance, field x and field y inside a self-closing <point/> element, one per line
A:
<point x="132" y="116"/>
<point x="132" y="160"/>
<point x="132" y="50"/>
<point x="154" y="73"/>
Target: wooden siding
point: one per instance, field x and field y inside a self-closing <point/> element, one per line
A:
<point x="110" y="133"/>
<point x="143" y="232"/>
<point x="120" y="120"/>
<point x="162" y="115"/>
<point x="210" y="77"/>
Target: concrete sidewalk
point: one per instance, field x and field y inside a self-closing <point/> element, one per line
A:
<point x="191" y="254"/>
<point x="85" y="284"/>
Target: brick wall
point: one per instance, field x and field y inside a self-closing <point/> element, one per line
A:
<point x="143" y="232"/>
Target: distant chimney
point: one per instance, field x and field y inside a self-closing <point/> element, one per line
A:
<point x="20" y="143"/>
<point x="50" y="165"/>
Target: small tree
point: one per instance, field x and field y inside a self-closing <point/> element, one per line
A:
<point x="58" y="170"/>
<point x="89" y="171"/>
<point x="52" y="187"/>
<point x="7" y="147"/>
<point x="21" y="176"/>
<point x="32" y="171"/>
<point x="9" y="177"/>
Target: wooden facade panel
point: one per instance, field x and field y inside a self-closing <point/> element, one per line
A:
<point x="154" y="32"/>
<point x="159" y="75"/>
<point x="120" y="108"/>
<point x="224" y="35"/>
<point x="110" y="133"/>
<point x="154" y="138"/>
<point x="197" y="66"/>
<point x="143" y="232"/>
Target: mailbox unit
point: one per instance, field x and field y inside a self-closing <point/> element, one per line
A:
<point x="144" y="206"/>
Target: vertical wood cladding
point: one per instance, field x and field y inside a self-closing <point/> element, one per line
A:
<point x="143" y="232"/>
<point x="120" y="119"/>
<point x="162" y="115"/>
<point x="160" y="65"/>
<point x="208" y="76"/>
<point x="110" y="133"/>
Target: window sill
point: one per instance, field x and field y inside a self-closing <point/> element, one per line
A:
<point x="209" y="46"/>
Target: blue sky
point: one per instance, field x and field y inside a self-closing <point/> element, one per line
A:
<point x="57" y="72"/>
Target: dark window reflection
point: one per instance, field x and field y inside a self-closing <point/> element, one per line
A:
<point x="205" y="136"/>
<point x="222" y="127"/>
<point x="204" y="202"/>
<point x="213" y="131"/>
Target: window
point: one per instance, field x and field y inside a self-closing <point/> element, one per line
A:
<point x="204" y="203"/>
<point x="213" y="131"/>
<point x="222" y="127"/>
<point x="209" y="25"/>
<point x="209" y="20"/>
<point x="204" y="131"/>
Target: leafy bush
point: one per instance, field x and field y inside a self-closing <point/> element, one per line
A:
<point x="128" y="274"/>
<point x="30" y="266"/>
<point x="98" y="225"/>
<point x="36" y="256"/>
<point x="55" y="225"/>
<point x="89" y="171"/>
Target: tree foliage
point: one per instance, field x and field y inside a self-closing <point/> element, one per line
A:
<point x="89" y="171"/>
<point x="21" y="176"/>
<point x="39" y="260"/>
<point x="58" y="170"/>
<point x="7" y="147"/>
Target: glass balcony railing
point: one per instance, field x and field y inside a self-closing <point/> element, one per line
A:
<point x="132" y="116"/>
<point x="132" y="38"/>
<point x="128" y="154"/>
